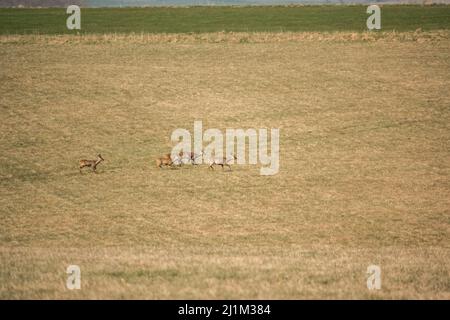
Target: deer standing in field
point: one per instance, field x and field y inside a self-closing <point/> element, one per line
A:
<point x="221" y="162"/>
<point x="91" y="163"/>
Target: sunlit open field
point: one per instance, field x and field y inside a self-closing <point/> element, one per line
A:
<point x="364" y="173"/>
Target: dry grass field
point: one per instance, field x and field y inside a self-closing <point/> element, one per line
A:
<point x="364" y="166"/>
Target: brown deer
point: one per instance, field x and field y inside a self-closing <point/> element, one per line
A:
<point x="165" y="160"/>
<point x="91" y="163"/>
<point x="190" y="155"/>
<point x="221" y="162"/>
<point x="177" y="161"/>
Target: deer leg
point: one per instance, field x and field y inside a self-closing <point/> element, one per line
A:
<point x="228" y="166"/>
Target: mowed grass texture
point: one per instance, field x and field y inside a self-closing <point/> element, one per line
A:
<point x="228" y="19"/>
<point x="364" y="169"/>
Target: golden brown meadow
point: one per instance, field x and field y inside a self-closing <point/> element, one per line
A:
<point x="364" y="166"/>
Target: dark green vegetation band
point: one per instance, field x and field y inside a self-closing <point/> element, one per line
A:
<point x="213" y="19"/>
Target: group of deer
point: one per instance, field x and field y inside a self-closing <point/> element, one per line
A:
<point x="166" y="160"/>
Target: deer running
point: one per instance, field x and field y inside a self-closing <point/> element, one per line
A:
<point x="91" y="163"/>
<point x="190" y="155"/>
<point x="221" y="162"/>
<point x="165" y="160"/>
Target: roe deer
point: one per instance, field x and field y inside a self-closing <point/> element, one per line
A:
<point x="164" y="161"/>
<point x="176" y="161"/>
<point x="190" y="155"/>
<point x="91" y="163"/>
<point x="221" y="162"/>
